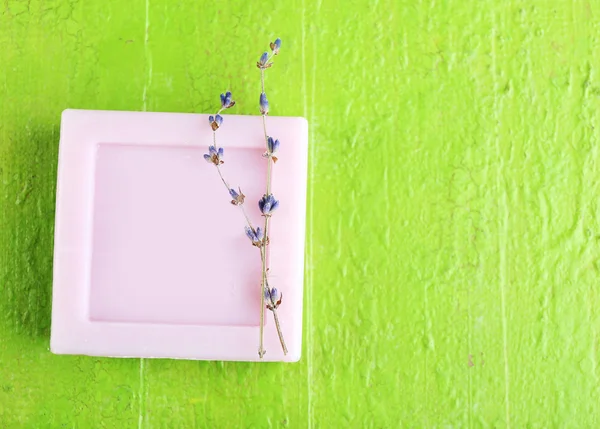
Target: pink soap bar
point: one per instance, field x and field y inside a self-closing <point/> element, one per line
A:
<point x="151" y="258"/>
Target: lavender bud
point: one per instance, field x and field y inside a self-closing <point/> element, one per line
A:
<point x="238" y="197"/>
<point x="264" y="104"/>
<point x="268" y="204"/>
<point x="215" y="122"/>
<point x="263" y="61"/>
<point x="226" y="100"/>
<point x="256" y="236"/>
<point x="276" y="45"/>
<point x="273" y="298"/>
<point x="214" y="156"/>
<point x="272" y="145"/>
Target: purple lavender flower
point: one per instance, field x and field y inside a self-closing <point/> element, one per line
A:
<point x="272" y="294"/>
<point x="238" y="197"/>
<point x="255" y="235"/>
<point x="268" y="204"/>
<point x="226" y="100"/>
<point x="263" y="62"/>
<point x="272" y="147"/>
<point x="215" y="122"/>
<point x="264" y="104"/>
<point x="264" y="58"/>
<point x="273" y="298"/>
<point x="275" y="46"/>
<point x="214" y="156"/>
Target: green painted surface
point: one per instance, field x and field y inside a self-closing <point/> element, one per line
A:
<point x="453" y="250"/>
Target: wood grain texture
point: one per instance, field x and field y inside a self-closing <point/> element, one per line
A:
<point x="453" y="239"/>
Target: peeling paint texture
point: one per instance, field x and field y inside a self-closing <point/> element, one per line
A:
<point x="453" y="242"/>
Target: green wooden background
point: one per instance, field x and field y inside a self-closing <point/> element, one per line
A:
<point x="453" y="244"/>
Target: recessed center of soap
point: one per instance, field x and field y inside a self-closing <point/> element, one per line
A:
<point x="168" y="247"/>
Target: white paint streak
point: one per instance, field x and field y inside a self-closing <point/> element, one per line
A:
<point x="141" y="396"/>
<point x="148" y="57"/>
<point x="309" y="265"/>
<point x="148" y="82"/>
<point x="503" y="233"/>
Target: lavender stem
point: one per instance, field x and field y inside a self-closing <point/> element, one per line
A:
<point x="276" y="317"/>
<point x="241" y="206"/>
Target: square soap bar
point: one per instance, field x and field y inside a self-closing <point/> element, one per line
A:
<point x="150" y="257"/>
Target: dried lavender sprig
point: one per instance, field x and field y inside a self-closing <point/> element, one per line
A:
<point x="268" y="204"/>
<point x="215" y="155"/>
<point x="272" y="147"/>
